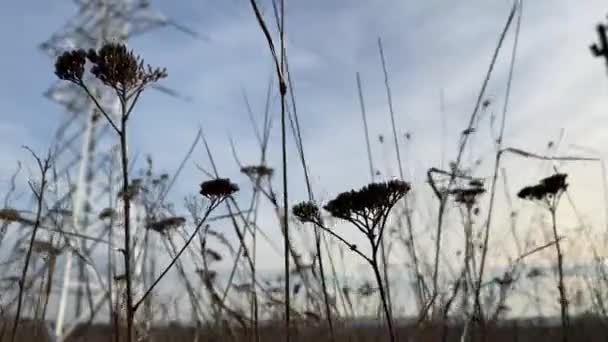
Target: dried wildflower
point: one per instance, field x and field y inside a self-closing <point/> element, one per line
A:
<point x="307" y="212"/>
<point x="121" y="69"/>
<point x="533" y="192"/>
<point x="9" y="214"/>
<point x="69" y="66"/>
<point x="218" y="188"/>
<point x="208" y="276"/>
<point x="555" y="183"/>
<point x="534" y="273"/>
<point x="257" y="171"/>
<point x="546" y="187"/>
<point x="107" y="213"/>
<point x="372" y="201"/>
<point x="120" y="277"/>
<point x="166" y="224"/>
<point x="45" y="247"/>
<point x="468" y="195"/>
<point x="213" y="255"/>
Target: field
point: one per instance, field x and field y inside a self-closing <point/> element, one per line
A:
<point x="493" y="242"/>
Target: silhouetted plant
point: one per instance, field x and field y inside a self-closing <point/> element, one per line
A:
<point x="368" y="210"/>
<point x="218" y="189"/>
<point x="600" y="50"/>
<point x="124" y="72"/>
<point x="466" y="196"/>
<point x="163" y="225"/>
<point x="548" y="192"/>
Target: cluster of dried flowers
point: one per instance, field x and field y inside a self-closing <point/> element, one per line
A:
<point x="113" y="64"/>
<point x="373" y="201"/>
<point x="218" y="189"/>
<point x="255" y="171"/>
<point x="546" y="188"/>
<point x="468" y="195"/>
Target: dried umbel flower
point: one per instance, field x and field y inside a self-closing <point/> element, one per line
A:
<point x="468" y="195"/>
<point x="546" y="187"/>
<point x="9" y="214"/>
<point x="372" y="201"/>
<point x="257" y="171"/>
<point x="213" y="255"/>
<point x="45" y="247"/>
<point x="107" y="213"/>
<point x="70" y="65"/>
<point x="208" y="276"/>
<point x="554" y="184"/>
<point x="307" y="212"/>
<point x="218" y="188"/>
<point x="121" y="69"/>
<point x="166" y="224"/>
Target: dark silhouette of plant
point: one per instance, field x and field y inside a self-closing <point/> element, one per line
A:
<point x="216" y="191"/>
<point x="43" y="167"/>
<point x="548" y="192"/>
<point x="600" y="50"/>
<point x="124" y="72"/>
<point x="467" y="197"/>
<point x="368" y="210"/>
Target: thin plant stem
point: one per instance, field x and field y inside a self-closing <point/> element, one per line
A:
<point x="383" y="297"/>
<point x="39" y="194"/>
<point x="126" y="221"/>
<point x="463" y="143"/>
<point x="499" y="144"/>
<point x="211" y="207"/>
<point x="411" y="243"/>
<point x="563" y="300"/>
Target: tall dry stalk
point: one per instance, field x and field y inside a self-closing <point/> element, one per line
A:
<point x="38" y="191"/>
<point x="548" y="192"/>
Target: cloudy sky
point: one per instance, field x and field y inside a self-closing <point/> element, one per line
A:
<point x="437" y="55"/>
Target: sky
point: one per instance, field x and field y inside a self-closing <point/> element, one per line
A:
<point x="437" y="54"/>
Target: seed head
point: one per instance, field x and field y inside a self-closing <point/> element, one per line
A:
<point x="166" y="224"/>
<point x="546" y="187"/>
<point x="121" y="69"/>
<point x="307" y="212"/>
<point x="372" y="201"/>
<point x="257" y="171"/>
<point x="106" y="213"/>
<point x="9" y="214"/>
<point x="468" y="195"/>
<point x="69" y="66"/>
<point x="218" y="188"/>
<point x="45" y="247"/>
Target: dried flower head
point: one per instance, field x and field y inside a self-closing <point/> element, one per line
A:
<point x="213" y="255"/>
<point x="208" y="276"/>
<point x="372" y="201"/>
<point x="546" y="187"/>
<point x="121" y="69"/>
<point x="555" y="183"/>
<point x="9" y="214"/>
<point x="218" y="188"/>
<point x="257" y="171"/>
<point x="45" y="247"/>
<point x="468" y="195"/>
<point x="307" y="212"/>
<point x="107" y="213"/>
<point x="69" y="66"/>
<point x="166" y="224"/>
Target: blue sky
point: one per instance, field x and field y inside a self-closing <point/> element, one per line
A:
<point x="431" y="47"/>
